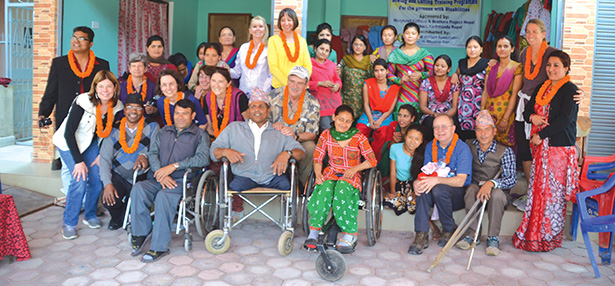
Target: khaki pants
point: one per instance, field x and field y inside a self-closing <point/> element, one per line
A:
<point x="305" y="166"/>
<point x="495" y="209"/>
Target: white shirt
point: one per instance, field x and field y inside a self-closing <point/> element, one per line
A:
<point x="258" y="132"/>
<point x="250" y="78"/>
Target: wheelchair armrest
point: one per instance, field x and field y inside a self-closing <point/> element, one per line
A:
<point x="582" y="196"/>
<point x="135" y="174"/>
<point x="292" y="161"/>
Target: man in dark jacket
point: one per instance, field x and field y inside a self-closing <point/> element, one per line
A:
<point x="70" y="76"/>
<point x="173" y="149"/>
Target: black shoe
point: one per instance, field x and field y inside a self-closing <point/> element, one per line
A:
<point x="152" y="256"/>
<point x="114" y="225"/>
<point x="421" y="241"/>
<point x="446" y="236"/>
<point x="138" y="242"/>
<point x="56" y="164"/>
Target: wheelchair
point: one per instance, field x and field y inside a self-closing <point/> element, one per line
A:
<point x="186" y="213"/>
<point x="213" y="209"/>
<point x="330" y="264"/>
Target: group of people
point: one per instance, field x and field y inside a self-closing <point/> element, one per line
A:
<point x="372" y="110"/>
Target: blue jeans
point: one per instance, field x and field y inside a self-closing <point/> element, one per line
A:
<point x="90" y="188"/>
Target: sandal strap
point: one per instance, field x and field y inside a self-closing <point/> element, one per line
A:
<point x="348" y="243"/>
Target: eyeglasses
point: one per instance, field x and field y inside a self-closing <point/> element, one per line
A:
<point x="137" y="108"/>
<point x="80" y="39"/>
<point x="437" y="127"/>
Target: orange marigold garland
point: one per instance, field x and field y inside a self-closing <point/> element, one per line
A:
<point x="291" y="58"/>
<point x="99" y="125"/>
<point x="167" y="108"/>
<point x="214" y="110"/>
<point x="131" y="90"/>
<point x="449" y="152"/>
<point x="261" y="47"/>
<point x="543" y="98"/>
<point x="285" y="108"/>
<point x="73" y="65"/>
<point x="529" y="74"/>
<point x="124" y="142"/>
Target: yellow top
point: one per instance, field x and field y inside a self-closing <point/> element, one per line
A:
<point x="279" y="65"/>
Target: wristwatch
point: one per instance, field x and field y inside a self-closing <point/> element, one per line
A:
<point x="290" y="153"/>
<point x="176" y="165"/>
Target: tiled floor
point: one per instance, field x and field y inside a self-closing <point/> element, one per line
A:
<point x="102" y="257"/>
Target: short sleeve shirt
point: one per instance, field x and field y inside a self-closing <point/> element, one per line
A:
<point x="461" y="159"/>
<point x="310" y="112"/>
<point x="403" y="162"/>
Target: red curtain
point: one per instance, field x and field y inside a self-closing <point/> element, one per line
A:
<point x="140" y="19"/>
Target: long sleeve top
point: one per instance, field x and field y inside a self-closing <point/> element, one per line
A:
<point x="328" y="100"/>
<point x="280" y="65"/>
<point x="259" y="76"/>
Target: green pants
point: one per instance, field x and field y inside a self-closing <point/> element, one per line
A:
<point x="344" y="198"/>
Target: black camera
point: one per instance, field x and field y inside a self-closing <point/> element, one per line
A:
<point x="44" y="122"/>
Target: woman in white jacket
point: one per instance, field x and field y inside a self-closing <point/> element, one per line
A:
<point x="90" y="119"/>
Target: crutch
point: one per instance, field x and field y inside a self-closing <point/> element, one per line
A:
<point x="480" y="220"/>
<point x="461" y="229"/>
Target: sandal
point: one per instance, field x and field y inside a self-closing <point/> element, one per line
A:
<point x="349" y="245"/>
<point x="310" y="244"/>
<point x="152" y="256"/>
<point x="138" y="242"/>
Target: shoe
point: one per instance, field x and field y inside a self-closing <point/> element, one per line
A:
<point x="152" y="256"/>
<point x="520" y="203"/>
<point x="69" y="232"/>
<point x="421" y="241"/>
<point x="493" y="246"/>
<point x="56" y="164"/>
<point x="138" y="242"/>
<point x="446" y="236"/>
<point x="114" y="225"/>
<point x="92" y="223"/>
<point x="466" y="242"/>
<point x="235" y="216"/>
<point x="346" y="247"/>
<point x="310" y="244"/>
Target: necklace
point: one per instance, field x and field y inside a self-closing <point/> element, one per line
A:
<point x="543" y="98"/>
<point x="167" y="108"/>
<point x="528" y="61"/>
<point x="103" y="133"/>
<point x="285" y="108"/>
<point x="291" y="58"/>
<point x="135" y="144"/>
<point x="214" y="110"/>
<point x="449" y="152"/>
<point x="261" y="47"/>
<point x="131" y="90"/>
<point x="73" y="65"/>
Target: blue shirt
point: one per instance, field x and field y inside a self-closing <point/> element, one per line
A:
<point x="461" y="159"/>
<point x="403" y="162"/>
<point x="200" y="118"/>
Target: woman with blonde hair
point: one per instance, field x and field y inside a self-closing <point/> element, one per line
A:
<point x="251" y="66"/>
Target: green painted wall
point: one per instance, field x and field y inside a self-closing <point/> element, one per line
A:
<point x="82" y="13"/>
<point x="185" y="27"/>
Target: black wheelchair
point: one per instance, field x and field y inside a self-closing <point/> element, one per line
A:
<point x="213" y="209"/>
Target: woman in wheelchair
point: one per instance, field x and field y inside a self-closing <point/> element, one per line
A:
<point x="338" y="185"/>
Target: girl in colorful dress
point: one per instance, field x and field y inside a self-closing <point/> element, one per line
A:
<point x="226" y="38"/>
<point x="409" y="66"/>
<point x="287" y="49"/>
<point x="388" y="34"/>
<point x="251" y="67"/>
<point x="356" y="68"/>
<point x="324" y="31"/>
<point x="379" y="101"/>
<point x="503" y="80"/>
<point x="470" y="74"/>
<point x="156" y="62"/>
<point x="406" y="116"/>
<point x="169" y="85"/>
<point x="338" y="185"/>
<point x="554" y="178"/>
<point x="324" y="83"/>
<point x="438" y="94"/>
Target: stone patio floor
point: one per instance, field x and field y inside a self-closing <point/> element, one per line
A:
<point x="102" y="257"/>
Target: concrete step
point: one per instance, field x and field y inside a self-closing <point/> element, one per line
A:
<point x="32" y="176"/>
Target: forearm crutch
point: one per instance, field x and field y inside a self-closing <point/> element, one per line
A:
<point x="461" y="229"/>
<point x="480" y="221"/>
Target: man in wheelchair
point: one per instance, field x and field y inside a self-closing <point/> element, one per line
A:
<point x="119" y="157"/>
<point x="338" y="185"/>
<point x="173" y="149"/>
<point x="260" y="157"/>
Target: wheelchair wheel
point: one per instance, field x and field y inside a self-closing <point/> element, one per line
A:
<point x="205" y="204"/>
<point x="212" y="239"/>
<point x="373" y="206"/>
<point x="285" y="243"/>
<point x="305" y="215"/>
<point x="337" y="269"/>
<point x="188" y="242"/>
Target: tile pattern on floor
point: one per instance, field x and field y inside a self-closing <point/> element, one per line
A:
<point x="102" y="257"/>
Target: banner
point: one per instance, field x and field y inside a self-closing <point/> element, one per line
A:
<point x="444" y="23"/>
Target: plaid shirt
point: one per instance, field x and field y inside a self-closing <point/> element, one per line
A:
<point x="310" y="114"/>
<point x="508" y="178"/>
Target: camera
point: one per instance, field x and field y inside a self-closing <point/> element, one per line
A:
<point x="44" y="122"/>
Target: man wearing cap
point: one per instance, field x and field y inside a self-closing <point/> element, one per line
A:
<point x="260" y="159"/>
<point x="444" y="192"/>
<point x="119" y="157"/>
<point x="493" y="171"/>
<point x="296" y="113"/>
<point x="173" y="149"/>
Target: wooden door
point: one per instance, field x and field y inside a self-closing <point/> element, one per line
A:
<point x="239" y="22"/>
